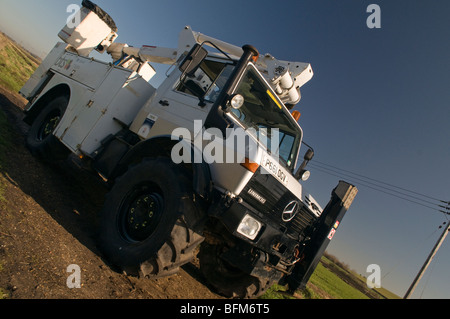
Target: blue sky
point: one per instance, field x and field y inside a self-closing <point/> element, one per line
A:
<point x="378" y="104"/>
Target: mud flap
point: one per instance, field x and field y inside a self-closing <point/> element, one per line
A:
<point x="341" y="199"/>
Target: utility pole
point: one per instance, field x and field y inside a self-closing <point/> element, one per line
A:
<point x="428" y="261"/>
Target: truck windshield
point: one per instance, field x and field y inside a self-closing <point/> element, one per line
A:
<point x="265" y="113"/>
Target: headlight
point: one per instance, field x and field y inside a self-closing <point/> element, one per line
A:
<point x="249" y="227"/>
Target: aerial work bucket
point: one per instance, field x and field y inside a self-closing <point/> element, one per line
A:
<point x="91" y="28"/>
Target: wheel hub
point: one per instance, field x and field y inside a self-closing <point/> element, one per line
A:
<point x="49" y="125"/>
<point x="142" y="215"/>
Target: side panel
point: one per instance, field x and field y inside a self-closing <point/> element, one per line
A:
<point x="169" y="110"/>
<point x="38" y="77"/>
<point x="99" y="94"/>
<point x="84" y="70"/>
<point x="78" y="123"/>
<point x="79" y="93"/>
<point x="121" y="111"/>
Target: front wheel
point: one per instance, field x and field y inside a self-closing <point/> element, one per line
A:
<point x="226" y="279"/>
<point x="145" y="222"/>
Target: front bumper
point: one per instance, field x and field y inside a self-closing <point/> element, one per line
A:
<point x="277" y="250"/>
<point x="274" y="250"/>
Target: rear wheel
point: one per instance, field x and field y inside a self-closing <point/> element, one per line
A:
<point x="145" y="223"/>
<point x="40" y="140"/>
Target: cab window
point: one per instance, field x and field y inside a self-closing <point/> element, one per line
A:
<point x="208" y="80"/>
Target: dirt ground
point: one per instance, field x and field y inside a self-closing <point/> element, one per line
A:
<point x="48" y="219"/>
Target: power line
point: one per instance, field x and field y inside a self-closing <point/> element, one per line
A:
<point x="385" y="190"/>
<point x="393" y="190"/>
<point x="381" y="182"/>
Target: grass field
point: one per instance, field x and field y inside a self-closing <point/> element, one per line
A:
<point x="333" y="285"/>
<point x="327" y="282"/>
<point x="16" y="64"/>
<point x="324" y="284"/>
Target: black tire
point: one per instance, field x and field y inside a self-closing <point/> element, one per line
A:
<point x="145" y="222"/>
<point x="40" y="140"/>
<point x="227" y="280"/>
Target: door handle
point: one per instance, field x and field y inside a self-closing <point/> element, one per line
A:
<point x="164" y="102"/>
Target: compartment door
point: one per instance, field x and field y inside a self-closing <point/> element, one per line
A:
<point x="92" y="109"/>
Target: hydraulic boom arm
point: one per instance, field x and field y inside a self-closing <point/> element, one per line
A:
<point x="285" y="77"/>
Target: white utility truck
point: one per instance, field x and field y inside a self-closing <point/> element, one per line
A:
<point x="179" y="183"/>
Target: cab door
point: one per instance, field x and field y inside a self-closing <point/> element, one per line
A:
<point x="185" y="101"/>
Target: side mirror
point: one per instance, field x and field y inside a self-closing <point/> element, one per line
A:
<point x="309" y="155"/>
<point x="193" y="60"/>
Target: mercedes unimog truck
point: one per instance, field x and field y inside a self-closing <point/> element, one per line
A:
<point x="208" y="164"/>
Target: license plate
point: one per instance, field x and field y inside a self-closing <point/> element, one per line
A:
<point x="275" y="169"/>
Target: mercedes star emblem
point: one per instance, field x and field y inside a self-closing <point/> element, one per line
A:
<point x="290" y="211"/>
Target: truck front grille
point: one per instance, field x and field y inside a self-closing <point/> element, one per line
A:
<point x="269" y="197"/>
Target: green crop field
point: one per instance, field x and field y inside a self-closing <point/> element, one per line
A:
<point x="333" y="285"/>
<point x="324" y="284"/>
<point x="327" y="283"/>
<point x="16" y="64"/>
